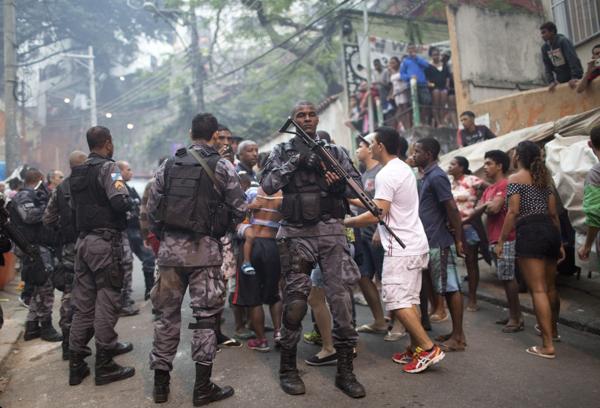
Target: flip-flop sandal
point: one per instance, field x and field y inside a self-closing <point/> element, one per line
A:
<point x="534" y="351"/>
<point x="447" y="348"/>
<point x="472" y="309"/>
<point x="513" y="328"/>
<point x="394" y="336"/>
<point x="437" y="319"/>
<point x="367" y="328"/>
<point x="503" y="322"/>
<point x="231" y="343"/>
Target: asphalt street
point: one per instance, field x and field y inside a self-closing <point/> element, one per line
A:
<point x="494" y="371"/>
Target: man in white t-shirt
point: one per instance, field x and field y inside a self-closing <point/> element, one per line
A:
<point x="397" y="197"/>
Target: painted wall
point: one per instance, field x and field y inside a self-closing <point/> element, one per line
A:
<point x="537" y="106"/>
<point x="495" y="53"/>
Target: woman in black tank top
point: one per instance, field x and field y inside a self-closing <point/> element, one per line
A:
<point x="532" y="207"/>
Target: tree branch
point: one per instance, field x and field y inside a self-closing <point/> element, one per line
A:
<point x="215" y="38"/>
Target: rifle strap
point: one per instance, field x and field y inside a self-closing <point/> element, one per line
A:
<point x="206" y="168"/>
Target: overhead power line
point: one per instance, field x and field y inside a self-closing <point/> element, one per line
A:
<point x="141" y="88"/>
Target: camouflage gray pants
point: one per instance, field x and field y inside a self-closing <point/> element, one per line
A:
<point x="127" y="290"/>
<point x="42" y="298"/>
<point x="207" y="293"/>
<point x="96" y="304"/>
<point x="298" y="257"/>
<point x="66" y="310"/>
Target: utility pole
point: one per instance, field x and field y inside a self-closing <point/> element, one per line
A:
<point x="93" y="108"/>
<point x="92" y="84"/>
<point x="197" y="62"/>
<point x="22" y="117"/>
<point x="368" y="54"/>
<point x="11" y="137"/>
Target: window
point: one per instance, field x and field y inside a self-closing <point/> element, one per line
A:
<point x="577" y="19"/>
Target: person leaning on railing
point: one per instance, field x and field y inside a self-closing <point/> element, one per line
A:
<point x="593" y="70"/>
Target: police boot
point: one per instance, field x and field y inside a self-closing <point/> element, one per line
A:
<point x="206" y="391"/>
<point x="32" y="330"/>
<point x="289" y="379"/>
<point x="345" y="379"/>
<point x="107" y="370"/>
<point x="48" y="332"/>
<point x="78" y="368"/>
<point x="161" y="386"/>
<point x="65" y="344"/>
<point x="122" y="348"/>
<point x="128" y="310"/>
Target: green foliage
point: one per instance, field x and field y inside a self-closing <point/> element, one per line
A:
<point x="256" y="110"/>
<point x="255" y="102"/>
<point x="110" y="26"/>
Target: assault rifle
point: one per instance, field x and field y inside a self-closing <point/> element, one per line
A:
<point x="331" y="164"/>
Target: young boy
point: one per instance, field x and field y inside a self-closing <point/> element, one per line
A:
<point x="492" y="202"/>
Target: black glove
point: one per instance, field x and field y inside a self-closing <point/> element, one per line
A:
<point x="338" y="187"/>
<point x="310" y="160"/>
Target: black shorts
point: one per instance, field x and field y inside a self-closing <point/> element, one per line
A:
<point x="262" y="288"/>
<point x="372" y="258"/>
<point x="537" y="237"/>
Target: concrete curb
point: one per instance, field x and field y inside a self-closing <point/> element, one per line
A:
<point x="562" y="320"/>
<point x="10" y="334"/>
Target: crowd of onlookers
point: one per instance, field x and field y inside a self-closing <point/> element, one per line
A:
<point x="391" y="92"/>
<point x="515" y="197"/>
<point x="435" y="94"/>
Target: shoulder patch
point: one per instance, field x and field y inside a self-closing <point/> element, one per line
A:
<point x="120" y="185"/>
<point x="116" y="176"/>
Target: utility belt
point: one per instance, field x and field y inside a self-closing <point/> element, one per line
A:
<point x="310" y="208"/>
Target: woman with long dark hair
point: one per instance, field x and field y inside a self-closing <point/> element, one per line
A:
<point x="532" y="206"/>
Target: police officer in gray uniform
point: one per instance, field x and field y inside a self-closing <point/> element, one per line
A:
<point x="101" y="203"/>
<point x="26" y="211"/>
<point x="311" y="232"/>
<point x="195" y="198"/>
<point x="60" y="216"/>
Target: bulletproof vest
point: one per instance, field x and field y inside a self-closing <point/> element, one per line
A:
<point x="33" y="229"/>
<point x="92" y="206"/>
<point x="66" y="213"/>
<point x="306" y="200"/>
<point x="29" y="229"/>
<point x="191" y="202"/>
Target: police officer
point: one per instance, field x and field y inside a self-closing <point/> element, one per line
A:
<point x="194" y="199"/>
<point x="59" y="215"/>
<point x="311" y="232"/>
<point x="101" y="203"/>
<point x="26" y="210"/>
<point x="134" y="233"/>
